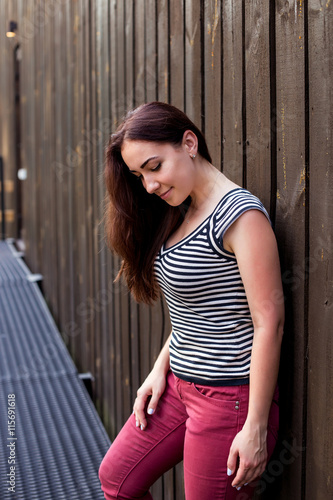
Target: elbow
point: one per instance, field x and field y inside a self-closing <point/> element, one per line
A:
<point x="280" y="322"/>
<point x="271" y="323"/>
<point x="277" y="327"/>
<point x="276" y="324"/>
<point x="280" y="330"/>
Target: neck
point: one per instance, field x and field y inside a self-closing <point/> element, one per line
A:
<point x="208" y="180"/>
<point x="205" y="196"/>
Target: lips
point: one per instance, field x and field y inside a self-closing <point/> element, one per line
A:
<point x="165" y="194"/>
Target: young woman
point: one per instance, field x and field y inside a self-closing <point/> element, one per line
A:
<point x="181" y="227"/>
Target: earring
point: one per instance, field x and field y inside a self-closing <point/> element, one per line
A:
<point x="193" y="156"/>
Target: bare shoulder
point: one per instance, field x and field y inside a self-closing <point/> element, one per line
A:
<point x="251" y="227"/>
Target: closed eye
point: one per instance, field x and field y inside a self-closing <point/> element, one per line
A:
<point x="139" y="176"/>
<point x="158" y="166"/>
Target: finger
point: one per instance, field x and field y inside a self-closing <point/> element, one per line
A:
<point x="140" y="421"/>
<point x="140" y="417"/>
<point x="253" y="474"/>
<point x="153" y="403"/>
<point x="245" y="476"/>
<point x="241" y="477"/>
<point x="232" y="462"/>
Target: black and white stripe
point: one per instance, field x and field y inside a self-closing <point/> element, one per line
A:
<point x="212" y="329"/>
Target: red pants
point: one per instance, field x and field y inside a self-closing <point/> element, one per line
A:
<point x="192" y="422"/>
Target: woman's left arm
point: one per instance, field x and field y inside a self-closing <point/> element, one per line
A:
<point x="252" y="240"/>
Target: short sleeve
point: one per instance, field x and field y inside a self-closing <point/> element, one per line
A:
<point x="233" y="205"/>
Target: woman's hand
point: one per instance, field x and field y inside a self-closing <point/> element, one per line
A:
<point x="250" y="446"/>
<point x="153" y="386"/>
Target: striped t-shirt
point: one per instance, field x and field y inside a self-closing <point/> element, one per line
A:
<point x="212" y="329"/>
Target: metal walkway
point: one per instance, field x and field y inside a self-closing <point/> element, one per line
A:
<point x="52" y="440"/>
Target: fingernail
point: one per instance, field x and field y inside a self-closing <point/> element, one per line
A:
<point x="150" y="411"/>
<point x="142" y="427"/>
<point x="137" y="423"/>
<point x="229" y="472"/>
<point x="238" y="488"/>
<point x="246" y="484"/>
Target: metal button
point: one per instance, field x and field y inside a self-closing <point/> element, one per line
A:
<point x="236" y="407"/>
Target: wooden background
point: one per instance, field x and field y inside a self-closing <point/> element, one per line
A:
<point x="257" y="77"/>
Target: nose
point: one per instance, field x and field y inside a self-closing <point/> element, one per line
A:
<point x="151" y="185"/>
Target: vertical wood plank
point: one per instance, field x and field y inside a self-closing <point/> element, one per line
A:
<point x="193" y="76"/>
<point x="106" y="61"/>
<point x="163" y="35"/>
<point x="39" y="125"/>
<point x="88" y="139"/>
<point x="30" y="203"/>
<point x="139" y="52"/>
<point x="121" y="60"/>
<point x="113" y="61"/>
<point x="104" y="299"/>
<point x="8" y="11"/>
<point x="134" y="340"/>
<point x="151" y="50"/>
<point x="10" y="125"/>
<point x="61" y="167"/>
<point x="212" y="75"/>
<point x="125" y="299"/>
<point x="91" y="124"/>
<point x="232" y="91"/>
<point x="78" y="146"/>
<point x="51" y="257"/>
<point x="177" y="63"/>
<point x="115" y="319"/>
<point x="70" y="145"/>
<point x="129" y="42"/>
<point x="105" y="18"/>
<point x="84" y="145"/>
<point x="258" y="114"/>
<point x="291" y="232"/>
<point x="100" y="104"/>
<point x="319" y="463"/>
<point x="144" y="346"/>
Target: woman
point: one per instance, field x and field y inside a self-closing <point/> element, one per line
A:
<point x="182" y="227"/>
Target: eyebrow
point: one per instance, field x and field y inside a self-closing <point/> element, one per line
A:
<point x="147" y="161"/>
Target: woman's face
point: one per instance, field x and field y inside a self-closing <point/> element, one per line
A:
<point x="163" y="169"/>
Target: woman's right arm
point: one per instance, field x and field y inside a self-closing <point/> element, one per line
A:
<point x="153" y="386"/>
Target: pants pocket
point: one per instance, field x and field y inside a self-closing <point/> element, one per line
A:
<point x="224" y="396"/>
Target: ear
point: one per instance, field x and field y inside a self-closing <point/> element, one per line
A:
<point x="190" y="142"/>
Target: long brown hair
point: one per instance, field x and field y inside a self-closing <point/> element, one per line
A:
<point x="137" y="223"/>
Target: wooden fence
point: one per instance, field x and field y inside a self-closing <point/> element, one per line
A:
<point x="257" y="77"/>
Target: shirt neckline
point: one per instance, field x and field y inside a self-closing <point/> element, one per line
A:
<point x="192" y="233"/>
